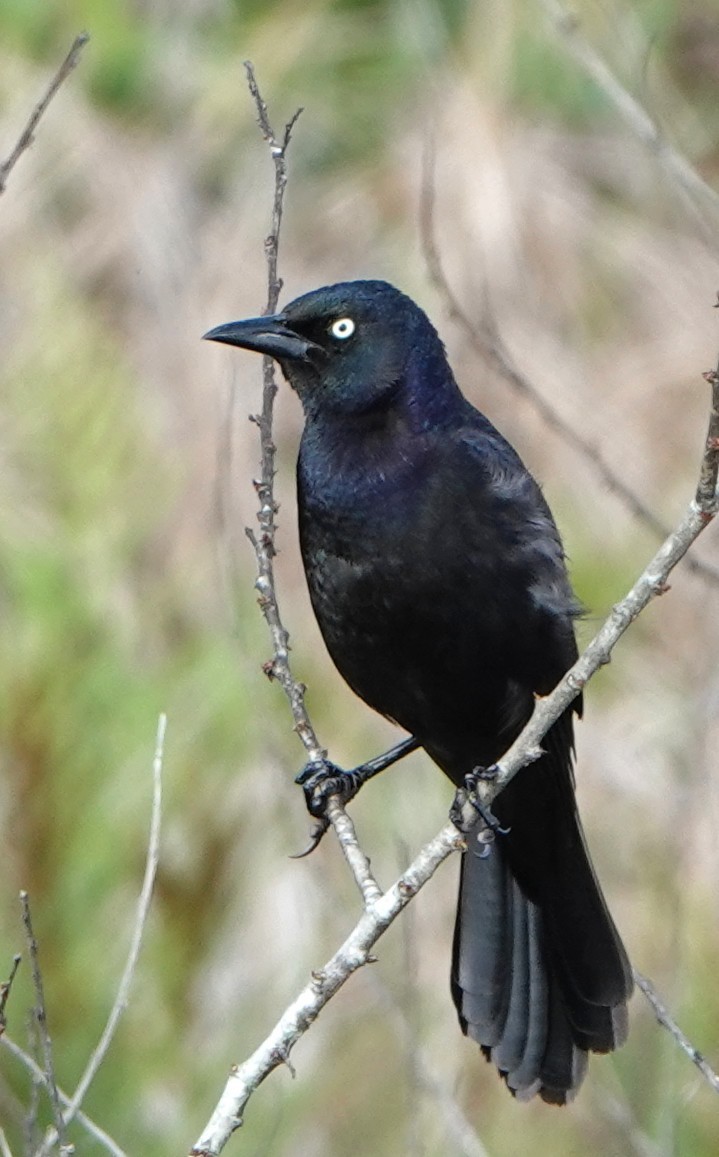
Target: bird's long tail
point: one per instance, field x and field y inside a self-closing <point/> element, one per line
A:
<point x="540" y="977"/>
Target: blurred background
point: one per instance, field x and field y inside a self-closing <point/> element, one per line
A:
<point x="135" y="223"/>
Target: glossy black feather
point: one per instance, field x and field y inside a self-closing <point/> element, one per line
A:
<point x="438" y="579"/>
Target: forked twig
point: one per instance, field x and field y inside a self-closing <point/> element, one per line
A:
<point x="264" y="544"/>
<point x="40" y="1078"/>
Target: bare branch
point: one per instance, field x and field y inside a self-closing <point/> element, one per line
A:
<point x="143" y="910"/>
<point x="40" y="1078"/>
<point x="706" y="490"/>
<point x="40" y="1012"/>
<point x="665" y="1018"/>
<point x="264" y="544"/>
<point x="484" y="337"/>
<point x="27" y="135"/>
<point x="298" y="1017"/>
<point x="693" y="189"/>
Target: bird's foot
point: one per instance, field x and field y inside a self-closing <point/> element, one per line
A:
<point x="467" y="805"/>
<point x="321" y="779"/>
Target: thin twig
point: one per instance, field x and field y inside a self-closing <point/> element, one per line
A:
<point x="41" y="1019"/>
<point x="5" y="1150"/>
<point x="5" y="988"/>
<point x="275" y="1050"/>
<point x="460" y="1131"/>
<point x="81" y="1118"/>
<point x="693" y="189"/>
<point x="31" y="1127"/>
<point x="27" y="135"/>
<point x="706" y="489"/>
<point x="264" y="544"/>
<point x="484" y="337"/>
<point x="667" y="1021"/>
<point x="143" y="909"/>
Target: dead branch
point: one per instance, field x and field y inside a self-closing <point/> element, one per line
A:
<point x="264" y="544"/>
<point x="28" y="134"/>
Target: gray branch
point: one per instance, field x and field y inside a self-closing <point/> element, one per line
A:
<point x="263" y="544"/>
<point x="325" y="982"/>
<point x="27" y="136"/>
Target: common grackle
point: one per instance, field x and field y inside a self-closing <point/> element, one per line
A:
<point x="438" y="579"/>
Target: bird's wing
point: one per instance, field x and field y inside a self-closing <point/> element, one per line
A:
<point x="511" y="511"/>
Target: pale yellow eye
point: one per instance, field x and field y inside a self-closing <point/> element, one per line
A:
<point x="343" y="328"/>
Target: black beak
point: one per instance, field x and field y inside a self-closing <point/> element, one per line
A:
<point x="266" y="335"/>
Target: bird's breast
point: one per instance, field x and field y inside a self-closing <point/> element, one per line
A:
<point x="399" y="596"/>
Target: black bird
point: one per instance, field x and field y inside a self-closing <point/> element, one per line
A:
<point x="438" y="579"/>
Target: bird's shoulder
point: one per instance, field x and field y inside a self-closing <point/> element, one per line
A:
<point x="472" y="459"/>
<point x="503" y="521"/>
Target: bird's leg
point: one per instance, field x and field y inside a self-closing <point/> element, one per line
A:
<point x="321" y="779"/>
<point x="467" y="805"/>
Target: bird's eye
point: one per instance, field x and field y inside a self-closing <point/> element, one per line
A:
<point x="343" y="328"/>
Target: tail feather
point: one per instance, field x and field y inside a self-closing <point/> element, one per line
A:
<point x="479" y="985"/>
<point x="564" y="1063"/>
<point x="509" y="1049"/>
<point x="540" y="977"/>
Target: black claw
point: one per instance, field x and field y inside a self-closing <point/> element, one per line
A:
<point x="489" y="817"/>
<point x="466" y="797"/>
<point x="318" y="767"/>
<point x="315" y="837"/>
<point x="320" y="780"/>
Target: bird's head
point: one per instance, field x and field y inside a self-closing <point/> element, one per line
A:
<point x="344" y="348"/>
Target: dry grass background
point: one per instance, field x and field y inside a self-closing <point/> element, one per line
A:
<point x="135" y="223"/>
